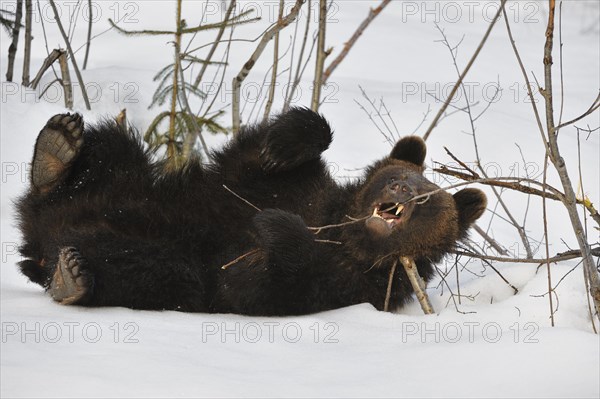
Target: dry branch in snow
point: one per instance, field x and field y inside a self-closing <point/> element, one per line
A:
<point x="417" y="283"/>
<point x="241" y="76"/>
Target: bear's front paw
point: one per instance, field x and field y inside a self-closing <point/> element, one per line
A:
<point x="286" y="241"/>
<point x="295" y="137"/>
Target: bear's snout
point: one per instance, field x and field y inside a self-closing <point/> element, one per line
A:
<point x="397" y="191"/>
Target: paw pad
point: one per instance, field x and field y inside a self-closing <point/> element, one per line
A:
<point x="71" y="283"/>
<point x="57" y="146"/>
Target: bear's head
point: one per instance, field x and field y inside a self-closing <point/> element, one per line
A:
<point x="414" y="227"/>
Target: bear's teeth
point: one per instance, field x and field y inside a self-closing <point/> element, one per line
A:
<point x="399" y="209"/>
<point x="375" y="212"/>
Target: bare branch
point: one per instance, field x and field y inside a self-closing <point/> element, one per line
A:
<point x="242" y="198"/>
<point x="557" y="258"/>
<point x="299" y="70"/>
<point x="275" y="67"/>
<point x="462" y="76"/>
<point x="373" y="13"/>
<point x="569" y="199"/>
<point x="89" y="34"/>
<point x="388" y="292"/>
<point x="52" y="57"/>
<point x="321" y="54"/>
<point x="66" y="80"/>
<point x="28" y="38"/>
<point x="171" y="150"/>
<point x="71" y="55"/>
<point x="505" y="182"/>
<point x="499" y="248"/>
<point x="417" y="283"/>
<point x="239" y="258"/>
<point x="527" y="82"/>
<point x="585" y="272"/>
<point x="215" y="44"/>
<point x="12" y="49"/>
<point x="233" y="21"/>
<point x="595" y="105"/>
<point x="237" y="81"/>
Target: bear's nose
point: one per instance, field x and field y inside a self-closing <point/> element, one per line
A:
<point x="398" y="188"/>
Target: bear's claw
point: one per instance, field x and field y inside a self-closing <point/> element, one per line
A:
<point x="71" y="283"/>
<point x="58" y="144"/>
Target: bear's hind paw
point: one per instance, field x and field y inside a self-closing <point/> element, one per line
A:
<point x="58" y="144"/>
<point x="71" y="283"/>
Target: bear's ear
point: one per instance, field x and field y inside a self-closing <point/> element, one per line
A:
<point x="470" y="204"/>
<point x="410" y="149"/>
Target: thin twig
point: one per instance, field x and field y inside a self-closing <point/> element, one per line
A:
<point x="89" y="35"/>
<point x="462" y="76"/>
<point x="502" y="182"/>
<point x="546" y="243"/>
<point x="373" y="13"/>
<point x="239" y="258"/>
<point x="12" y="49"/>
<point x="48" y="62"/>
<point x="452" y="294"/>
<point x="488" y="263"/>
<point x="538" y="119"/>
<point x="321" y="54"/>
<point x="242" y="198"/>
<point x="585" y="271"/>
<point x="215" y="44"/>
<point x="66" y="80"/>
<point x="520" y="229"/>
<point x="28" y="38"/>
<point x="274" y="67"/>
<point x="499" y="248"/>
<point x="190" y="139"/>
<point x="234" y="21"/>
<point x="57" y="80"/>
<point x="388" y="292"/>
<point x="595" y="105"/>
<point x="71" y="55"/>
<point x="318" y="229"/>
<point x="329" y="242"/>
<point x="171" y="148"/>
<point x="556" y="196"/>
<point x="461" y="163"/>
<point x="508" y="182"/>
<point x="299" y="70"/>
<point x="239" y="78"/>
<point x="224" y="59"/>
<point x="558" y="258"/>
<point x="290" y="69"/>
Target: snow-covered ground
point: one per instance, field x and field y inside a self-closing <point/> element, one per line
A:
<point x="498" y="345"/>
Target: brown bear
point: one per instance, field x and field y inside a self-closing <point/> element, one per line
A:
<point x="262" y="230"/>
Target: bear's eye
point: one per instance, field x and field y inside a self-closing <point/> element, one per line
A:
<point x="391" y="180"/>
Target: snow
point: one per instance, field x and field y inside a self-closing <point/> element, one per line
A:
<point x="498" y="345"/>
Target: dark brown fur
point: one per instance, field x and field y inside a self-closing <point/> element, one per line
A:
<point x="149" y="240"/>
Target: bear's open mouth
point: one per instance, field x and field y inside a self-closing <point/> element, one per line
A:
<point x="390" y="212"/>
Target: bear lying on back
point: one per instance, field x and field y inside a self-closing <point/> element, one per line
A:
<point x="104" y="226"/>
